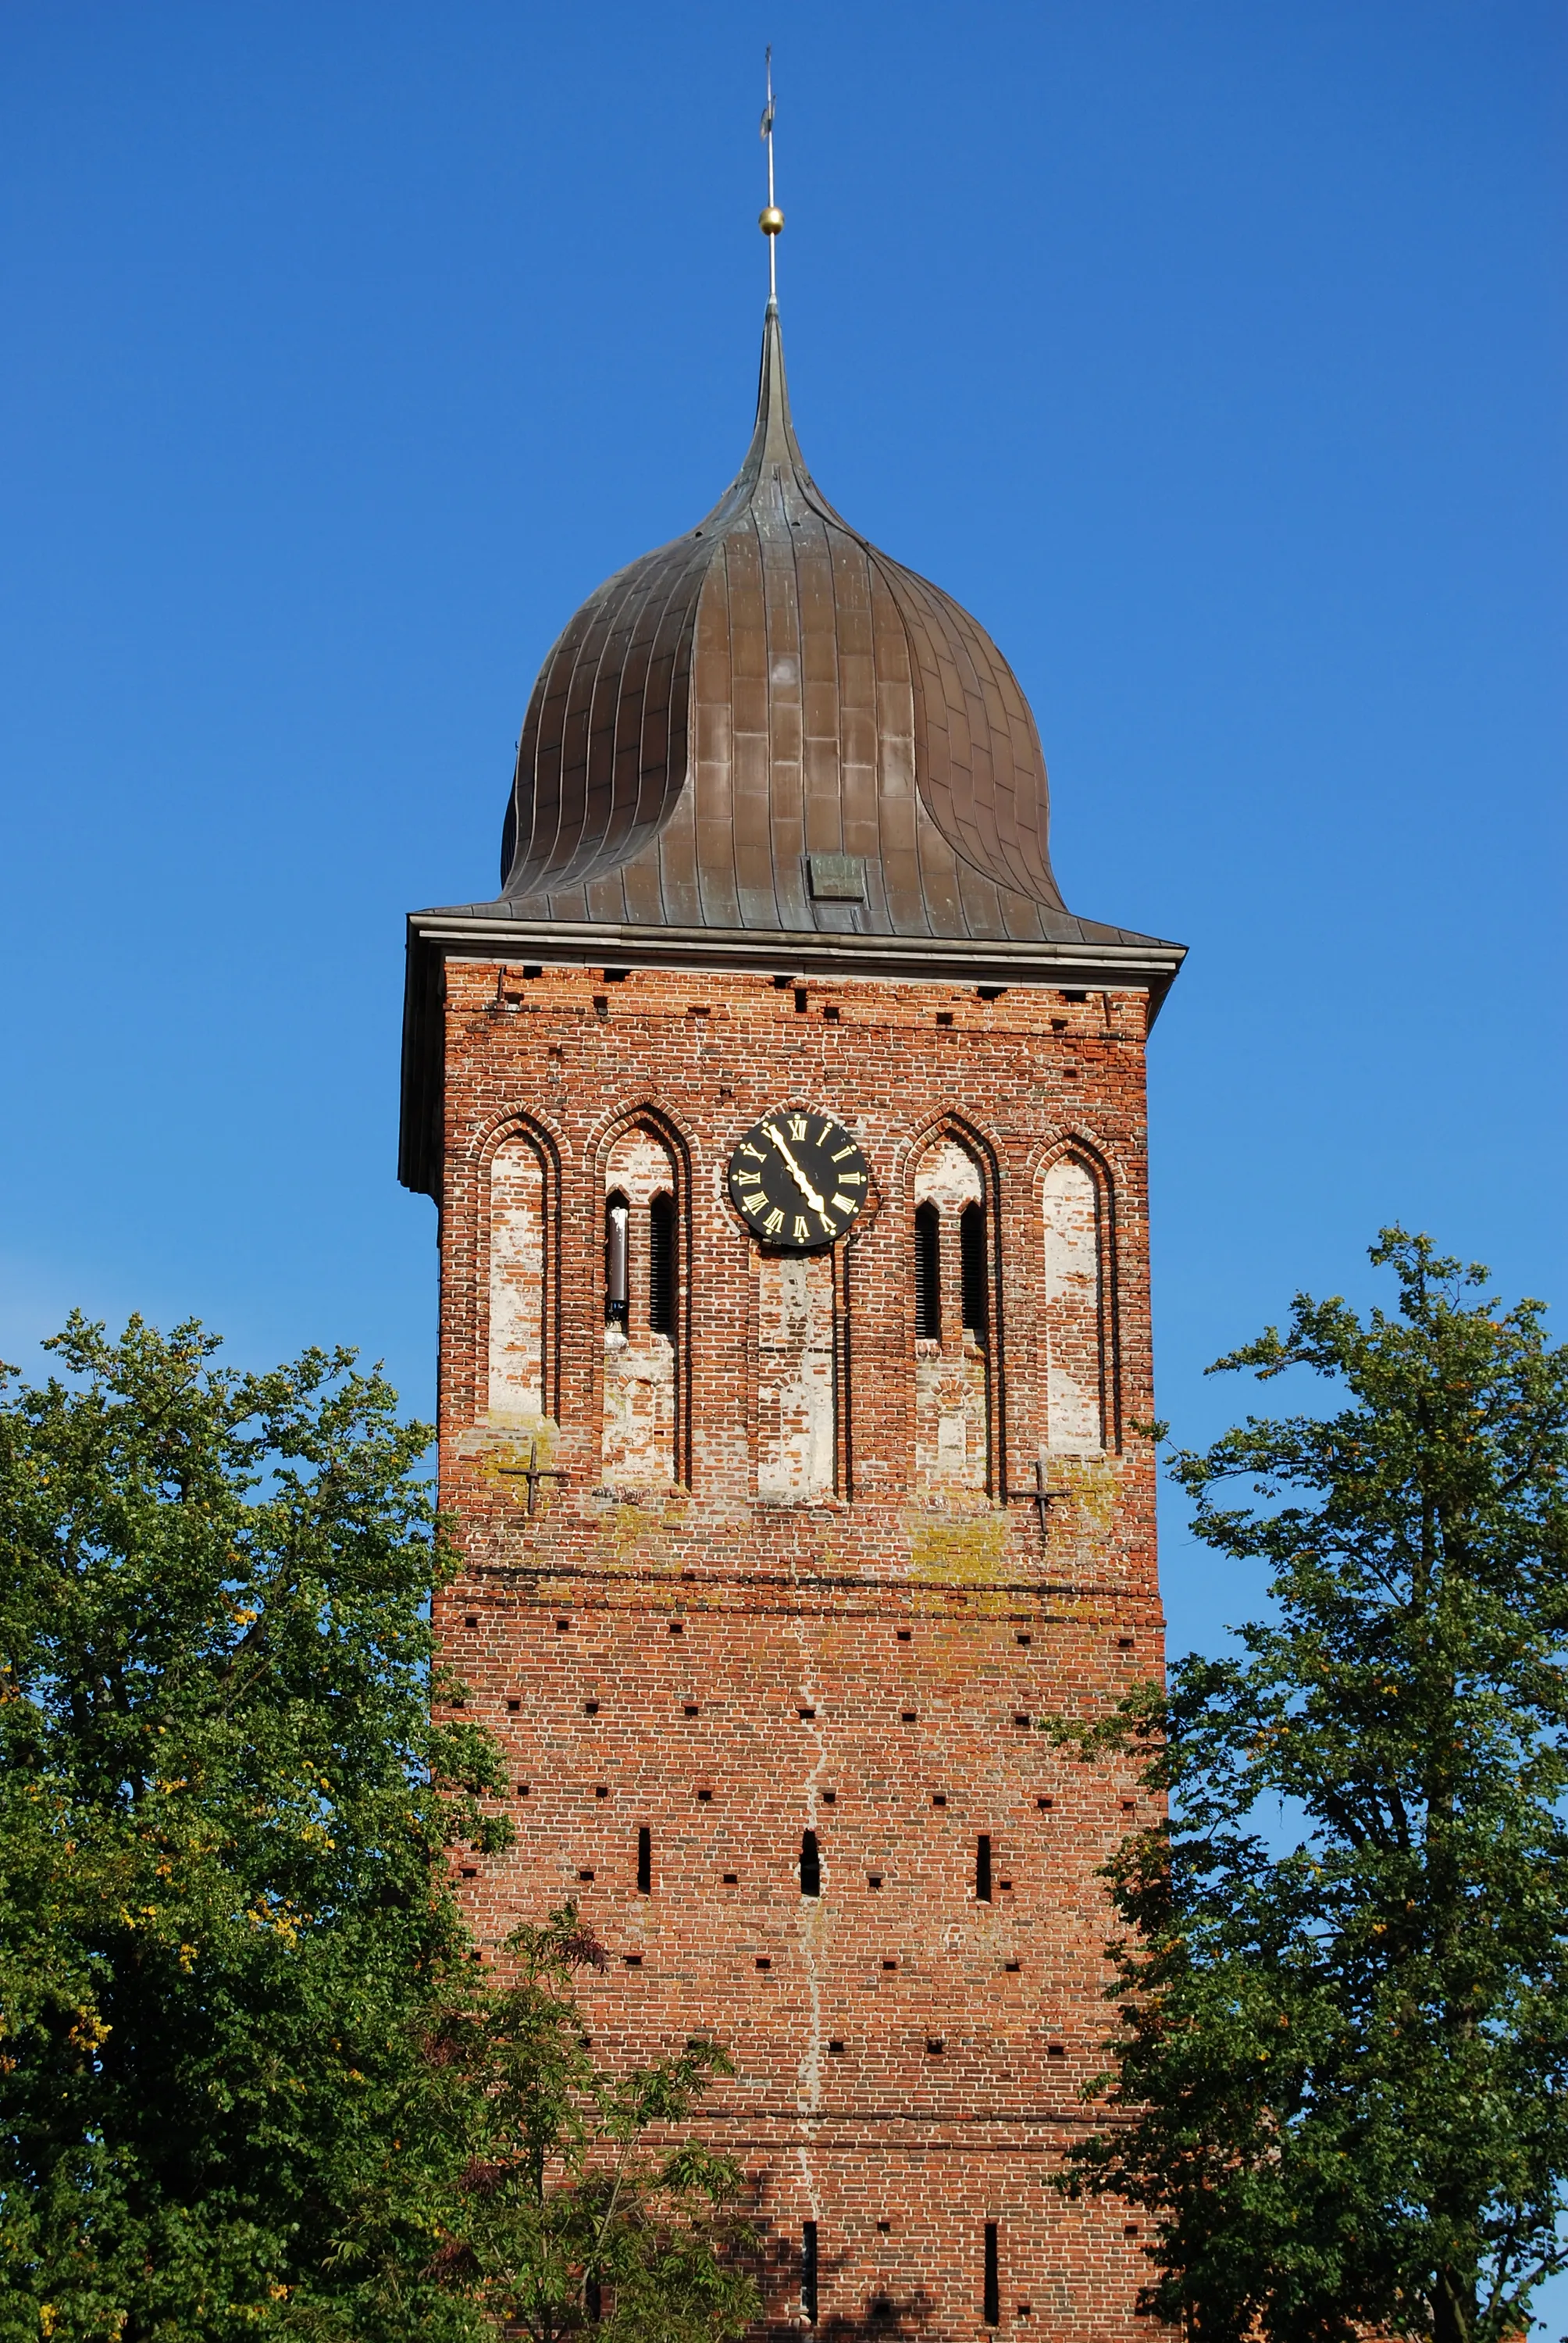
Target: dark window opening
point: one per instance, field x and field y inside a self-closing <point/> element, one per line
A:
<point x="982" y="1868"/>
<point x="810" y="1864"/>
<point x="601" y="1789"/>
<point x="593" y="2300"/>
<point x="927" y="1274"/>
<point x="799" y="1000"/>
<point x="992" y="2277"/>
<point x="809" y="2272"/>
<point x="645" y="1861"/>
<point x="617" y="1271"/>
<point x="971" y="1258"/>
<point x="661" y="1265"/>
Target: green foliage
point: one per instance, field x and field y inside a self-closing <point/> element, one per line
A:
<point x="1340" y="2074"/>
<point x="251" y="2074"/>
<point x="223" y="1808"/>
<point x="565" y="2213"/>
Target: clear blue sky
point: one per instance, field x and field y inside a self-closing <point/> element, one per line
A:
<point x="1213" y="355"/>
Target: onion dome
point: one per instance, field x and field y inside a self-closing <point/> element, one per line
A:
<point x="767" y="725"/>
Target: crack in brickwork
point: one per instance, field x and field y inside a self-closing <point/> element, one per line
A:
<point x="855" y="1645"/>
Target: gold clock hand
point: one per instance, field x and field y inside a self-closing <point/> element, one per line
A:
<point x="806" y="1190"/>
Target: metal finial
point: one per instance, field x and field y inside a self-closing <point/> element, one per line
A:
<point x="771" y="219"/>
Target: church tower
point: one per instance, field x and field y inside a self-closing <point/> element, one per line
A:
<point x="787" y="1138"/>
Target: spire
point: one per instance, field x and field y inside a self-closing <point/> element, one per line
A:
<point x="773" y="441"/>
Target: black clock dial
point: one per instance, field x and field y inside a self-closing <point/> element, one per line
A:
<point x="797" y="1179"/>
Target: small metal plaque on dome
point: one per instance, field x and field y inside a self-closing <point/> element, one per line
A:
<point x="837" y="877"/>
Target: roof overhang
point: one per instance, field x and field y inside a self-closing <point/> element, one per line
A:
<point x="435" y="937"/>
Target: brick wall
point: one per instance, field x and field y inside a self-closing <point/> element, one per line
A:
<point x="774" y="1601"/>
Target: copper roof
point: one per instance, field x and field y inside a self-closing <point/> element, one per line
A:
<point x="768" y="746"/>
<point x="767" y="725"/>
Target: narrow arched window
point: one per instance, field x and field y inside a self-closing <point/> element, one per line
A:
<point x="617" y="1267"/>
<point x="973" y="1270"/>
<point x="810" y="1864"/>
<point x="662" y="1276"/>
<point x="641" y="1373"/>
<point x="928" y="1273"/>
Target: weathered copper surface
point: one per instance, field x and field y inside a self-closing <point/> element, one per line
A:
<point x="767" y="691"/>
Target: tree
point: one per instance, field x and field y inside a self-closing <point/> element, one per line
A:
<point x="253" y="2075"/>
<point x="566" y="2215"/>
<point x="1340" y="2078"/>
<point x="225" y="1918"/>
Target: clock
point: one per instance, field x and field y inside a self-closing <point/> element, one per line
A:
<point x="797" y="1179"/>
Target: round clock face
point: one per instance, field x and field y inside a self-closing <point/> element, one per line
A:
<point x="797" y="1179"/>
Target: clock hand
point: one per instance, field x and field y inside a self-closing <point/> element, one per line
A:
<point x="801" y="1181"/>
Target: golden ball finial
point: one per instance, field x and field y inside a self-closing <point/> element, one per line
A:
<point x="771" y="219"/>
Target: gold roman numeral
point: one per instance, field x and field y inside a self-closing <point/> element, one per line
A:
<point x="843" y="1203"/>
<point x="774" y="1221"/>
<point x="797" y="1125"/>
<point x="800" y="1232"/>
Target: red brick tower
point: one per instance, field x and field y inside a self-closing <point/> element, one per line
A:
<point x="788" y="1134"/>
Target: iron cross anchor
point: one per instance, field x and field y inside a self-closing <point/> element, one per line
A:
<point x="533" y="1473"/>
<point x="1039" y="1497"/>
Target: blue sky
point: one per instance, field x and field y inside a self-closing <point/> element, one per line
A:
<point x="1213" y="355"/>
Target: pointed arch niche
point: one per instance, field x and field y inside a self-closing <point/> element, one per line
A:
<point x="797" y="1396"/>
<point x="520" y="1363"/>
<point x="954" y="1315"/>
<point x="1075" y="1318"/>
<point x="641" y="1387"/>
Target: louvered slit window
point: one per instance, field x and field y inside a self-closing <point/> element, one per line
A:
<point x="972" y="1267"/>
<point x="661" y="1278"/>
<point x="927" y="1274"/>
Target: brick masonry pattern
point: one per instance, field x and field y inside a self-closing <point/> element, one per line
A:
<point x="671" y="1643"/>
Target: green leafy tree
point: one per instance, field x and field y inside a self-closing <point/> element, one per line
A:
<point x="580" y="2203"/>
<point x="224" y="1912"/>
<point x="1340" y="2073"/>
<point x="253" y="2076"/>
